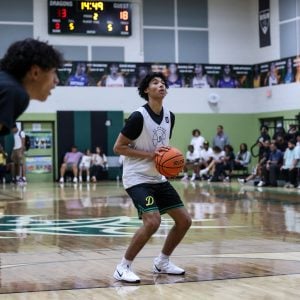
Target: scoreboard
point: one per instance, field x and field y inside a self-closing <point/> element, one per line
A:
<point x="99" y="18"/>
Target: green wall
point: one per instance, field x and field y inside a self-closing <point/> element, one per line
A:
<point x="241" y="128"/>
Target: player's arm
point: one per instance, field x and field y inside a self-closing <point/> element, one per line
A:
<point x="131" y="131"/>
<point x="122" y="147"/>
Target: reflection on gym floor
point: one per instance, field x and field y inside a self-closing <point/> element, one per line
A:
<point x="55" y="237"/>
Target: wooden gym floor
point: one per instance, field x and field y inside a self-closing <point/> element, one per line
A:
<point x="63" y="242"/>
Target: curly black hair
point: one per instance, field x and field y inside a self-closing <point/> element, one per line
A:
<point x="145" y="83"/>
<point x="22" y="55"/>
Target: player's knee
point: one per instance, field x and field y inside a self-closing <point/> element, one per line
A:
<point x="152" y="223"/>
<point x="185" y="222"/>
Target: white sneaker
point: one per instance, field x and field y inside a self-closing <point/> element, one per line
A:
<point x="88" y="179"/>
<point x="61" y="180"/>
<point x="193" y="177"/>
<point x="166" y="267"/>
<point x="298" y="187"/>
<point x="241" y="180"/>
<point x="124" y="273"/>
<point x="75" y="180"/>
<point x="261" y="183"/>
<point x="226" y="179"/>
<point x="185" y="177"/>
<point x="203" y="172"/>
<point x="80" y="179"/>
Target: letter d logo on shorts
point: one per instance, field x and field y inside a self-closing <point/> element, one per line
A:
<point x="149" y="200"/>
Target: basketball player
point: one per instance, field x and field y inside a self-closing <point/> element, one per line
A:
<point x="146" y="134"/>
<point x="27" y="71"/>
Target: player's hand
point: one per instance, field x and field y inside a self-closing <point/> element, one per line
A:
<point x="159" y="150"/>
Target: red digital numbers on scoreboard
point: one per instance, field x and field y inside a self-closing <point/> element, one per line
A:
<point x="57" y="26"/>
<point x="62" y="13"/>
<point x="103" y="18"/>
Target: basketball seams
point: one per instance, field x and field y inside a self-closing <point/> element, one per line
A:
<point x="169" y="157"/>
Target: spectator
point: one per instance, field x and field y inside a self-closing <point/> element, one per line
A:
<point x="257" y="170"/>
<point x="197" y="140"/>
<point x="191" y="162"/>
<point x="264" y="136"/>
<point x="292" y="132"/>
<point x="270" y="172"/>
<point x="297" y="159"/>
<point x="221" y="139"/>
<point x="18" y="156"/>
<point x="85" y="164"/>
<point x="3" y="157"/>
<point x="99" y="164"/>
<point x="281" y="143"/>
<point x="206" y="156"/>
<point x="288" y="168"/>
<point x="243" y="157"/>
<point x="279" y="131"/>
<point x="228" y="163"/>
<point x="217" y="158"/>
<point x="71" y="161"/>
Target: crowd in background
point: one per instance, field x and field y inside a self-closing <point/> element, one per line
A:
<point x="278" y="158"/>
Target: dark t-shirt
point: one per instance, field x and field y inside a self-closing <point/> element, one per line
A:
<point x="13" y="101"/>
<point x="134" y="124"/>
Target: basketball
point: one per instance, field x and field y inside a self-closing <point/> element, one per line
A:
<point x="170" y="163"/>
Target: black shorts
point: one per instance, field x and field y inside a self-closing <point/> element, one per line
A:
<point x="154" y="197"/>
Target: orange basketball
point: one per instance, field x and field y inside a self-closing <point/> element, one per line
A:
<point x="170" y="163"/>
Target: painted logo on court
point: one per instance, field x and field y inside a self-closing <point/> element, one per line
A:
<point x="15" y="226"/>
<point x="109" y="226"/>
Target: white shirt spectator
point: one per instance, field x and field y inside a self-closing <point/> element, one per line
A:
<point x="218" y="156"/>
<point x="197" y="142"/>
<point x="192" y="156"/>
<point x="99" y="160"/>
<point x="85" y="161"/>
<point x="206" y="154"/>
<point x="18" y="136"/>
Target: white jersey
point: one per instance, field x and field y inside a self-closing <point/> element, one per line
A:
<point x="153" y="136"/>
<point x="114" y="82"/>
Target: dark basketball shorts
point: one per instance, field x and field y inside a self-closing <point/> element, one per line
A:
<point x="149" y="197"/>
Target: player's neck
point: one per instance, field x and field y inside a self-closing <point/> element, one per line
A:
<point x="155" y="105"/>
